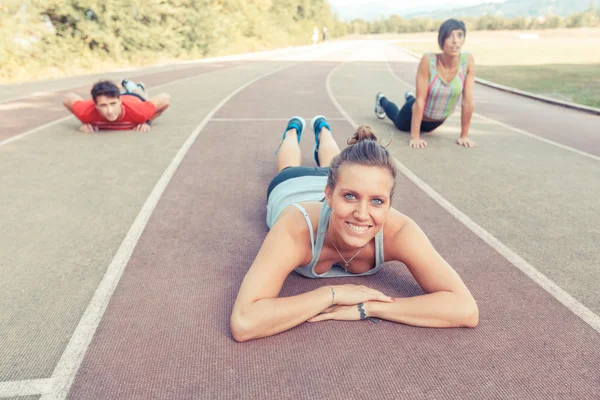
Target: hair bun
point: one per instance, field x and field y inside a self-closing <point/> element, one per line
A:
<point x="363" y="132"/>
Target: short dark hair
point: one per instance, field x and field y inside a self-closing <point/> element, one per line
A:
<point x="446" y="30"/>
<point x="364" y="149"/>
<point x="105" y="88"/>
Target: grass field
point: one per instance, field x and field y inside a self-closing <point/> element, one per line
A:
<point x="562" y="63"/>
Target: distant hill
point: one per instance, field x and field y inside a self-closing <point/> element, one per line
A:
<point x="513" y="8"/>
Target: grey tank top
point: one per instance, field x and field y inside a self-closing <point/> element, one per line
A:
<point x="317" y="245"/>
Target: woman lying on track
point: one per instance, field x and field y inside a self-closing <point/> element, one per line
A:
<point x="441" y="80"/>
<point x="336" y="220"/>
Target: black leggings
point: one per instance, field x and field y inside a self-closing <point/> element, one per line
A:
<point x="403" y="118"/>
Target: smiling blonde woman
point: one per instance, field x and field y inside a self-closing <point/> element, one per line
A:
<point x="442" y="78"/>
<point x="336" y="220"/>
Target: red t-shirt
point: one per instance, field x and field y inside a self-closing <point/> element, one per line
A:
<point x="135" y="112"/>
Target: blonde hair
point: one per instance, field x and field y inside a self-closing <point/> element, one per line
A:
<point x="364" y="148"/>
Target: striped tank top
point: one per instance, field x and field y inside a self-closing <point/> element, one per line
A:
<point x="442" y="97"/>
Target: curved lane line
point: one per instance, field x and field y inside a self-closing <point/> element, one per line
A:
<point x="548" y="285"/>
<point x="58" y="121"/>
<point x="562" y="146"/>
<point x="67" y="367"/>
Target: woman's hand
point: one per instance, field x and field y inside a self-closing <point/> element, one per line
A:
<point x="417" y="143"/>
<point x="465" y="142"/>
<point x="349" y="295"/>
<point x="338" y="313"/>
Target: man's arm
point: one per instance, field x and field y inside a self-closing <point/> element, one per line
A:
<point x="161" y="102"/>
<point x="70" y="99"/>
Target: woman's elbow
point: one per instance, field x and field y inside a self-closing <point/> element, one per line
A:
<point x="240" y="328"/>
<point x="470" y="318"/>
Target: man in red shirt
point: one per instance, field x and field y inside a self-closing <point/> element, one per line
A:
<point x="110" y="110"/>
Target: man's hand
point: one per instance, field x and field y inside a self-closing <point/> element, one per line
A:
<point x="87" y="128"/>
<point x="142" y="128"/>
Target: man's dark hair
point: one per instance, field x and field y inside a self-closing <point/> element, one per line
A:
<point x="105" y="88"/>
<point x="446" y="30"/>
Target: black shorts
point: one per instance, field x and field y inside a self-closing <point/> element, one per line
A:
<point x="295" y="172"/>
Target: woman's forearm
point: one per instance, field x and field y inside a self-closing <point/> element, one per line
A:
<point x="465" y="119"/>
<point x="435" y="310"/>
<point x="267" y="317"/>
<point x="417" y="118"/>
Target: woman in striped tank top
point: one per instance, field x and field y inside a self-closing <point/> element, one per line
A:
<point x="441" y="80"/>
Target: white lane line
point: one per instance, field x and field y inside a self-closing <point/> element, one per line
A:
<point x="548" y="285"/>
<point x="532" y="135"/>
<point x="259" y="55"/>
<point x="34" y="130"/>
<point x="70" y="361"/>
<point x="302" y="50"/>
<point x="30" y="387"/>
<point x="58" y="121"/>
<point x="263" y="119"/>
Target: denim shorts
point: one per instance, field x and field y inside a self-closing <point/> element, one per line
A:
<point x="295" y="172"/>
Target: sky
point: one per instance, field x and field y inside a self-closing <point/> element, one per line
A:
<point x="350" y="9"/>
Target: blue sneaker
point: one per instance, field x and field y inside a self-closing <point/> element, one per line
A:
<point x="318" y="122"/>
<point x="379" y="111"/>
<point x="297" y="123"/>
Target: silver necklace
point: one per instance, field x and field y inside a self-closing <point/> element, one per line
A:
<point x="346" y="262"/>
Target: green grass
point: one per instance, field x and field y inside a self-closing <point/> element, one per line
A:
<point x="561" y="64"/>
<point x="576" y="83"/>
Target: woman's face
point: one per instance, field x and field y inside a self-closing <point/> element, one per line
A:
<point x="454" y="42"/>
<point x="359" y="204"/>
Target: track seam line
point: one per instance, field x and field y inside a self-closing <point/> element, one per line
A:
<point x="29" y="387"/>
<point x="57" y="121"/>
<point x="547" y="284"/>
<point x="263" y="119"/>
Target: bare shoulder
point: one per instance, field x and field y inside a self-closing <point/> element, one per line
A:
<point x="394" y="223"/>
<point x="400" y="234"/>
<point x="291" y="225"/>
<point x="424" y="63"/>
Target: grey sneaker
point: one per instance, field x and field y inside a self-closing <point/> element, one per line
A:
<point x="128" y="85"/>
<point x="379" y="111"/>
<point x="142" y="86"/>
<point x="408" y="95"/>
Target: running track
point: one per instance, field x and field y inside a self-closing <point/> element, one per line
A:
<point x="122" y="252"/>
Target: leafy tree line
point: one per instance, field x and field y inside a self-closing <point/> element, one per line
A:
<point x="38" y="36"/>
<point x="397" y="24"/>
<point x="50" y="38"/>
